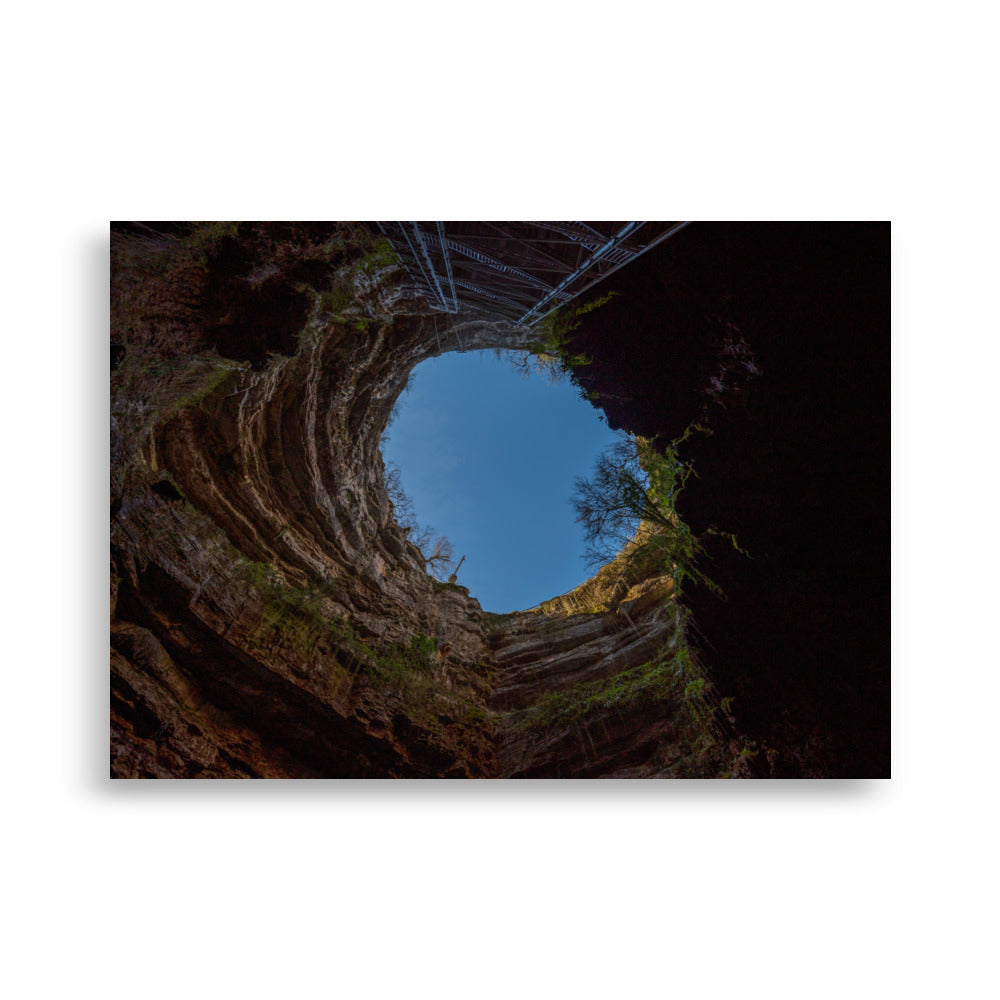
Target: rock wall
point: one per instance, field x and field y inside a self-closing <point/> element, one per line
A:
<point x="797" y="466"/>
<point x="269" y="617"/>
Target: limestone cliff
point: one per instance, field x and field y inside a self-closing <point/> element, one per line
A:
<point x="269" y="617"/>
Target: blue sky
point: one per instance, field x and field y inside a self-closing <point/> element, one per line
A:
<point x="489" y="458"/>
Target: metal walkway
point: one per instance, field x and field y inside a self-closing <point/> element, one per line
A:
<point x="518" y="270"/>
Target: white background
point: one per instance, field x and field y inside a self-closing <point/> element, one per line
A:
<point x="447" y="110"/>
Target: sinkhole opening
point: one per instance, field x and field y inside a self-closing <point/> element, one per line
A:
<point x="486" y="456"/>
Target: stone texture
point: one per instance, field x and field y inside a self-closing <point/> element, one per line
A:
<point x="269" y="616"/>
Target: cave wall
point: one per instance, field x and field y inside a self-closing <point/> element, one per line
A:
<point x="269" y="617"/>
<point x="797" y="466"/>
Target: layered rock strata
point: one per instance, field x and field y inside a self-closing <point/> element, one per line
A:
<point x="270" y="618"/>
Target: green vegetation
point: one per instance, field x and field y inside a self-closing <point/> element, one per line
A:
<point x="671" y="691"/>
<point x="495" y="622"/>
<point x="292" y="614"/>
<point x="740" y="766"/>
<point x="423" y="645"/>
<point x="206" y="239"/>
<point x="295" y="617"/>
<point x="148" y="389"/>
<point x="378" y="256"/>
<point x="365" y="256"/>
<point x="339" y="298"/>
<point x="628" y="509"/>
<point x="551" y="353"/>
<point x="336" y="304"/>
<point x="673" y="677"/>
<point x="632" y="495"/>
<point x="555" y="334"/>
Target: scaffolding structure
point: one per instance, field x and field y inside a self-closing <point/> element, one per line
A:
<point x="517" y="270"/>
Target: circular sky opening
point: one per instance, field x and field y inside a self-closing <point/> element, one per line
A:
<point x="488" y="457"/>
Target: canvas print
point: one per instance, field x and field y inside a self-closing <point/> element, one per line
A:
<point x="500" y="500"/>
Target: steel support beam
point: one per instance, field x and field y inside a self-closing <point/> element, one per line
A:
<point x="521" y="271"/>
<point x="615" y="241"/>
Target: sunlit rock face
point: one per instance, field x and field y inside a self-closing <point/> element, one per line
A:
<point x="269" y="618"/>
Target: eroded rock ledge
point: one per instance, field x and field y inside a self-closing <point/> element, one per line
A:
<point x="269" y="618"/>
